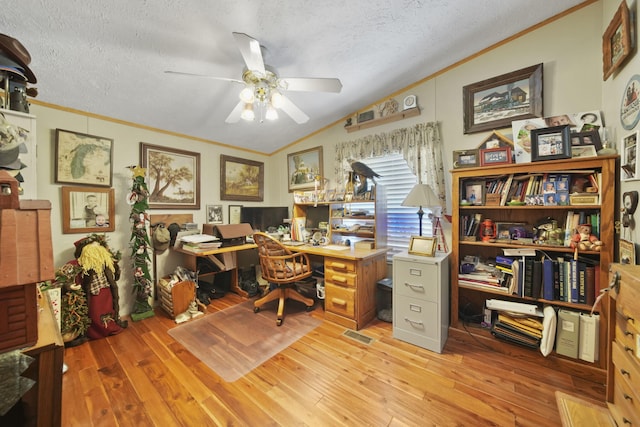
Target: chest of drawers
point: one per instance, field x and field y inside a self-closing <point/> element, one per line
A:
<point x="421" y="300"/>
<point x="623" y="380"/>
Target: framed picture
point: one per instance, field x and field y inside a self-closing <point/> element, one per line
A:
<point x="474" y="192"/>
<point x="88" y="210"/>
<point x="616" y="41"/>
<point x="466" y="158"/>
<point x="495" y="140"/>
<point x="510" y="230"/>
<point x="550" y="143"/>
<point x="365" y="116"/>
<point x="234" y="214"/>
<point x="173" y="177"/>
<point x="83" y="159"/>
<point x="627" y="252"/>
<point x="214" y="214"/>
<point x="425" y="246"/>
<point x="241" y="179"/>
<point x="495" y="156"/>
<point x="496" y="102"/>
<point x="304" y="168"/>
<point x="629" y="162"/>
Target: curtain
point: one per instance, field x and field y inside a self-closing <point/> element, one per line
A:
<point x="420" y="145"/>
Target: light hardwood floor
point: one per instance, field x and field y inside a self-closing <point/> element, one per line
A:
<point x="142" y="377"/>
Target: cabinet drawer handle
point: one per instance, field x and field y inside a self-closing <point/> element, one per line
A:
<point x="627" y="397"/>
<point x="338" y="301"/>
<point x="340" y="279"/>
<point x="627" y="348"/>
<point x="413" y="322"/>
<point x="624" y="372"/>
<point x="339" y="265"/>
<point x="626" y="421"/>
<point x="627" y="333"/>
<point x="629" y="319"/>
<point x="414" y="287"/>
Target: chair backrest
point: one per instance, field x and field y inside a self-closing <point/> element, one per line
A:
<point x="278" y="263"/>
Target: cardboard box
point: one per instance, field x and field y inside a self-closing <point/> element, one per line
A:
<point x="230" y="234"/>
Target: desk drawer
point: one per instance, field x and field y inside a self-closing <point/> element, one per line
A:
<point x="340" y="278"/>
<point x="339" y="300"/>
<point x="626" y="399"/>
<point x="626" y="364"/>
<point x="342" y="265"/>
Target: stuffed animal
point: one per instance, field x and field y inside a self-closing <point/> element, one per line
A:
<point x="100" y="272"/>
<point x="584" y="240"/>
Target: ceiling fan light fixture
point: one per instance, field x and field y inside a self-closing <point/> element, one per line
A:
<point x="247" y="112"/>
<point x="271" y="113"/>
<point x="246" y="95"/>
<point x="276" y="99"/>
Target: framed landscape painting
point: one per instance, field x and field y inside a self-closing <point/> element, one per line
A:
<point x="83" y="159"/>
<point x="494" y="103"/>
<point x="304" y="167"/>
<point x="241" y="179"/>
<point x="173" y="177"/>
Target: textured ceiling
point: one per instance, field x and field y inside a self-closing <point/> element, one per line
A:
<point x="109" y="57"/>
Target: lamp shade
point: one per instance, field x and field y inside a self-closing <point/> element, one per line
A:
<point x="421" y="195"/>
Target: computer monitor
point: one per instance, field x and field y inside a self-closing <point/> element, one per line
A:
<point x="263" y="218"/>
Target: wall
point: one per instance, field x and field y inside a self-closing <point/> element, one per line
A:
<point x="569" y="48"/>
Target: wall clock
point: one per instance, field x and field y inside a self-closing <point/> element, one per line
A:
<point x="409" y="102"/>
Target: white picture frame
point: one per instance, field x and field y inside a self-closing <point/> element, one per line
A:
<point x="629" y="163"/>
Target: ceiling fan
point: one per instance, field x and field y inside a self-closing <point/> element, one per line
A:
<point x="263" y="88"/>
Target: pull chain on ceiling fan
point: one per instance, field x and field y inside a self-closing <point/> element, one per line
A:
<point x="263" y="88"/>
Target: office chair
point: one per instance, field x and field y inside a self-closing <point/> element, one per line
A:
<point x="282" y="268"/>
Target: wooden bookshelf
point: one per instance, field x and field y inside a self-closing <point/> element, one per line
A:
<point x="465" y="300"/>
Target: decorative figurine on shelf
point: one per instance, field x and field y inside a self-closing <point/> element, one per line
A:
<point x="488" y="230"/>
<point x="362" y="172"/>
<point x="584" y="240"/>
<point x="140" y="245"/>
<point x="98" y="276"/>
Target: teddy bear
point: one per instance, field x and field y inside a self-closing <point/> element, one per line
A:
<point x="584" y="240"/>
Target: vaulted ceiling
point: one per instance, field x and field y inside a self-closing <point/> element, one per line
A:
<point x="109" y="57"/>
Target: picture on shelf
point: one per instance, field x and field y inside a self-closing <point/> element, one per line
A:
<point x="474" y="193"/>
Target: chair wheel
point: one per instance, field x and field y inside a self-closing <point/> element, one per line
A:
<point x="256" y="309"/>
<point x="279" y="322"/>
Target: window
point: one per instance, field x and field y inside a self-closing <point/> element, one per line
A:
<point x="398" y="180"/>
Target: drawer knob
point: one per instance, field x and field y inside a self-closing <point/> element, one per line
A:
<point x="629" y="319"/>
<point x="414" y="287"/>
<point x="624" y="372"/>
<point x="627" y="397"/>
<point x="626" y="421"/>
<point x="627" y="348"/>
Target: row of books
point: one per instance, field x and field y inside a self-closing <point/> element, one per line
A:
<point x="544" y="189"/>
<point x="561" y="279"/>
<point x="575" y="335"/>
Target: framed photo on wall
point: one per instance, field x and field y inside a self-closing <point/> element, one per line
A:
<point x="88" y="210"/>
<point x="173" y="177"/>
<point x="629" y="163"/>
<point x="550" y="143"/>
<point x="496" y="102"/>
<point x="234" y="214"/>
<point x="304" y="167"/>
<point x="616" y="41"/>
<point x="214" y="214"/>
<point x="241" y="179"/>
<point x="83" y="159"/>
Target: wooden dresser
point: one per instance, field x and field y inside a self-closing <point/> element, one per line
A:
<point x="623" y="379"/>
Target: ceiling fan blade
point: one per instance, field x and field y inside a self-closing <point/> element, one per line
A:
<point x="303" y="84"/>
<point x="180" y="73"/>
<point x="251" y="53"/>
<point x="234" y="117"/>
<point x="293" y="111"/>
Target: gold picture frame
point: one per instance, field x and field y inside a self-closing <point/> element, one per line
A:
<point x="616" y="41"/>
<point x="303" y="168"/>
<point x="241" y="179"/>
<point x="423" y="246"/>
<point x="88" y="210"/>
<point x="173" y="177"/>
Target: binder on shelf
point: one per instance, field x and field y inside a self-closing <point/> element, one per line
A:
<point x="568" y="333"/>
<point x="516" y="307"/>
<point x="589" y="337"/>
<point x="548" y="288"/>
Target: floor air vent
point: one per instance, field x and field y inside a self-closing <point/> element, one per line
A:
<point x="357" y="336"/>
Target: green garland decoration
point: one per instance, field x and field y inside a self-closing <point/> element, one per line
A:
<point x="140" y="244"/>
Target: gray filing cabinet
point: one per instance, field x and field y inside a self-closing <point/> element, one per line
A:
<point x="421" y="300"/>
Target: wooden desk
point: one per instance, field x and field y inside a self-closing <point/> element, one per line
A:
<point x="225" y="258"/>
<point x="350" y="276"/>
<point x="350" y="282"/>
